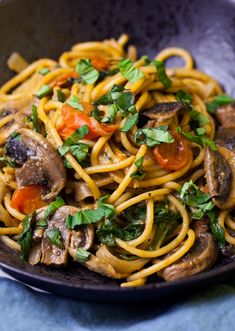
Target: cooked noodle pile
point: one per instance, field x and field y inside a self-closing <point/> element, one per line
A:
<point x="116" y="162"/>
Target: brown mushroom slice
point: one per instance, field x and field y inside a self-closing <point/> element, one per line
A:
<point x="220" y="176"/>
<point x="200" y="257"/>
<point x="226" y="115"/>
<point x="39" y="161"/>
<point x="52" y="254"/>
<point x="82" y="191"/>
<point x="162" y="113"/>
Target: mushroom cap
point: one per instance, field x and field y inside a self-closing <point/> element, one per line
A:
<point x="200" y="257"/>
<point x="40" y="163"/>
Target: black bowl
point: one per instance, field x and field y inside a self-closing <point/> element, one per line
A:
<point x="47" y="28"/>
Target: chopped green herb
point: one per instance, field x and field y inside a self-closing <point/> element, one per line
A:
<point x="74" y="102"/>
<point x="25" y="239"/>
<point x="161" y="72"/>
<point x="129" y="71"/>
<point x="200" y="203"/>
<point x="44" y="91"/>
<point x="200" y="131"/>
<point x="186" y="98"/>
<point x="153" y="136"/>
<point x="35" y="119"/>
<point x="139" y="173"/>
<point x="80" y="151"/>
<point x="219" y="100"/>
<point x="15" y="135"/>
<point x="55" y="237"/>
<point x="216" y="228"/>
<point x="113" y="109"/>
<point x="82" y="255"/>
<point x="51" y="209"/>
<point x="87" y="72"/>
<point x="44" y="71"/>
<point x="130" y="122"/>
<point x="60" y="96"/>
<point x="76" y="136"/>
<point x="89" y="216"/>
<point x="109" y="230"/>
<point x="9" y="162"/>
<point x="199" y="139"/>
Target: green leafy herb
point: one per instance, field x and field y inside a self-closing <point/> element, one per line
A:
<point x="87" y="72"/>
<point x="89" y="216"/>
<point x="44" y="71"/>
<point x="200" y="131"/>
<point x="129" y="71"/>
<point x="51" y="209"/>
<point x="96" y="113"/>
<point x="166" y="220"/>
<point x="139" y="173"/>
<point x="76" y="136"/>
<point x="35" y="119"/>
<point x="161" y="72"/>
<point x="55" y="237"/>
<point x="82" y="255"/>
<point x="44" y="91"/>
<point x="113" y="109"/>
<point x="200" y="203"/>
<point x="60" y="96"/>
<point x="186" y="98"/>
<point x="119" y="100"/>
<point x="25" y="239"/>
<point x="74" y="102"/>
<point x="9" y="162"/>
<point x="130" y="122"/>
<point x="15" y="135"/>
<point x="109" y="230"/>
<point x="199" y="139"/>
<point x="80" y="151"/>
<point x="216" y="228"/>
<point x="153" y="136"/>
<point x="219" y="100"/>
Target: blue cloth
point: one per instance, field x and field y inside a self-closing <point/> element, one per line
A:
<point x="22" y="309"/>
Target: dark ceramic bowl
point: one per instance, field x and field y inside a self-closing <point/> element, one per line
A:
<point x="47" y="28"/>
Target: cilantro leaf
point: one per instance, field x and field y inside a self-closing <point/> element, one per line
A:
<point x="44" y="71"/>
<point x="74" y="102"/>
<point x="51" y="209"/>
<point x="60" y="96"/>
<point x="219" y="100"/>
<point x="139" y="173"/>
<point x="130" y="122"/>
<point x="199" y="139"/>
<point x="76" y="136"/>
<point x="161" y="72"/>
<point x="8" y="161"/>
<point x="153" y="136"/>
<point x="129" y="71"/>
<point x="87" y="72"/>
<point x="89" y="216"/>
<point x="44" y="91"/>
<point x="26" y="237"/>
<point x="216" y="228"/>
<point x="82" y="255"/>
<point x="55" y="237"/>
<point x="35" y="119"/>
<point x="200" y="203"/>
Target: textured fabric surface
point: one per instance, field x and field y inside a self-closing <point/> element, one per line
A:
<point x="24" y="309"/>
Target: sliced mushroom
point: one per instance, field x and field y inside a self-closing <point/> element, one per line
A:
<point x="220" y="171"/>
<point x="162" y="113"/>
<point x="201" y="256"/>
<point x="82" y="191"/>
<point x="226" y="115"/>
<point x="39" y="161"/>
<point x="84" y="237"/>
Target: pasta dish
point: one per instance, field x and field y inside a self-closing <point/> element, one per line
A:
<point x="118" y="163"/>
